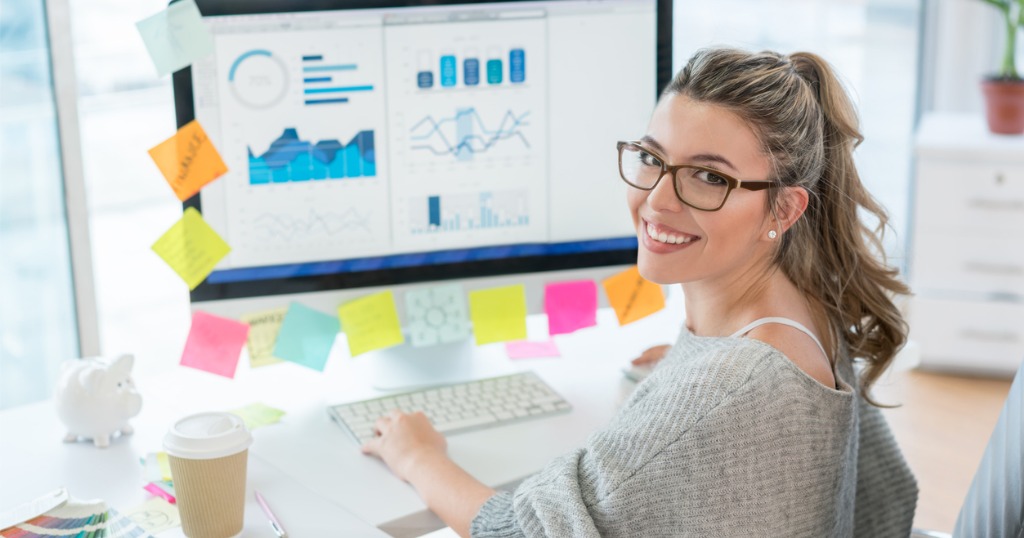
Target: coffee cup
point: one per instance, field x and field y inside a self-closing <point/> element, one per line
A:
<point x="208" y="453"/>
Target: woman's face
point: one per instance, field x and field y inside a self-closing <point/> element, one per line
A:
<point x="681" y="244"/>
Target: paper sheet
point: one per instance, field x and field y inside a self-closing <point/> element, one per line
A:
<point x="498" y="314"/>
<point x="257" y="415"/>
<point x="214" y="344"/>
<point x="263" y="330"/>
<point x="633" y="297"/>
<point x="306" y="337"/>
<point x="526" y="349"/>
<point x="155" y="515"/>
<point x="188" y="160"/>
<point x="176" y="37"/>
<point x="437" y="315"/>
<point x="570" y="306"/>
<point x="191" y="248"/>
<point x="371" y="323"/>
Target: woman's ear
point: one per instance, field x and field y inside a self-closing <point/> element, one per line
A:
<point x="792" y="204"/>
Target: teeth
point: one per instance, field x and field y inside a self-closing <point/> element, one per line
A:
<point x="663" y="237"/>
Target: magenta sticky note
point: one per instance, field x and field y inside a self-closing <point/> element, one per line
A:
<point x="214" y="344"/>
<point x="570" y="306"/>
<point x="525" y="349"/>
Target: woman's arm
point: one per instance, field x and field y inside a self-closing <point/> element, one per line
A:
<point x="416" y="453"/>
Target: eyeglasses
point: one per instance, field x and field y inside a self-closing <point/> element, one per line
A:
<point x="699" y="187"/>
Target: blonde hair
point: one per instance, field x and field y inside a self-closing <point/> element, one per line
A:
<point x="808" y="128"/>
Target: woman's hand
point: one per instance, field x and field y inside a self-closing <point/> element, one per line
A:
<point x="405" y="440"/>
<point x="651" y="356"/>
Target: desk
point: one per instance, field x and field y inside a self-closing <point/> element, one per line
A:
<point x="310" y="471"/>
<point x="314" y="476"/>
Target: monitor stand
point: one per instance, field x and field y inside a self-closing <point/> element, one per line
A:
<point x="405" y="367"/>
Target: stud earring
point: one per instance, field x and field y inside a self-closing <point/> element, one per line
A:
<point x="772" y="234"/>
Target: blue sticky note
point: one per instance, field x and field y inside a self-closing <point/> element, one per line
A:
<point x="306" y="337"/>
<point x="176" y="37"/>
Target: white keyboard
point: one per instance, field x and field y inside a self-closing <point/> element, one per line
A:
<point x="482" y="403"/>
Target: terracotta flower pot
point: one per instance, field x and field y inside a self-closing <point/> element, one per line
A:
<point x="1004" y="105"/>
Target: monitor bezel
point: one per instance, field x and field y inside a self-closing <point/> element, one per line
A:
<point x="185" y="112"/>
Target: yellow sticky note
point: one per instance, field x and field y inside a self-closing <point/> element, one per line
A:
<point x="164" y="464"/>
<point x="632" y="296"/>
<point x="371" y="323"/>
<point x="191" y="248"/>
<point x="498" y="314"/>
<point x="263" y="329"/>
<point x="188" y="160"/>
<point x="258" y="415"/>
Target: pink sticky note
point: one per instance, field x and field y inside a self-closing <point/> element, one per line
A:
<point x="525" y="349"/>
<point x="214" y="344"/>
<point x="570" y="306"/>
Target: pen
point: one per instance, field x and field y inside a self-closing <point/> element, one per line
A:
<point x="274" y="523"/>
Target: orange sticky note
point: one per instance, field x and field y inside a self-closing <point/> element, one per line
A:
<point x="188" y="160"/>
<point x="632" y="296"/>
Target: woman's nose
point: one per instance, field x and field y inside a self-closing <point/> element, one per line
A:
<point x="663" y="196"/>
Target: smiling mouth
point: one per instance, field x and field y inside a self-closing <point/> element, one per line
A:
<point x="669" y="238"/>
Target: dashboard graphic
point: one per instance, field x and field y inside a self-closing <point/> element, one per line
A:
<point x="465" y="134"/>
<point x="290" y="158"/>
<point x="258" y="79"/>
<point x="470" y="211"/>
<point x="314" y="224"/>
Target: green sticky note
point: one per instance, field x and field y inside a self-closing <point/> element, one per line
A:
<point x="306" y="337"/>
<point x="258" y="415"/>
<point x="498" y="314"/>
<point x="176" y="37"/>
<point x="437" y="315"/>
<point x="371" y="323"/>
<point x="191" y="248"/>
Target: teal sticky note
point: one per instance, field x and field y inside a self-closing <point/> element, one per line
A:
<point x="437" y="315"/>
<point x="306" y="337"/>
<point x="176" y="37"/>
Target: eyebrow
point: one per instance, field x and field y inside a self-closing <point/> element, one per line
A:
<point x="701" y="158"/>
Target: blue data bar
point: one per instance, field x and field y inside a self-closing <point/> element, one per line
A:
<point x="340" y="67"/>
<point x="339" y="89"/>
<point x="326" y="101"/>
<point x="317" y="79"/>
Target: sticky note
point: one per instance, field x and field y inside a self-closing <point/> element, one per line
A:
<point x="214" y="344"/>
<point x="306" y="337"/>
<point x="632" y="296"/>
<point x="437" y="315"/>
<point x="498" y="314"/>
<point x="155" y="515"/>
<point x="526" y="349"/>
<point x="191" y="248"/>
<point x="258" y="415"/>
<point x="263" y="329"/>
<point x="371" y="323"/>
<point x="156" y="467"/>
<point x="176" y="37"/>
<point x="570" y="306"/>
<point x="188" y="160"/>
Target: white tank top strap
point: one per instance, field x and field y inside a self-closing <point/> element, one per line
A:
<point x="784" y="321"/>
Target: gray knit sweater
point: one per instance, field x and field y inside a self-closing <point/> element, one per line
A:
<point x="726" y="438"/>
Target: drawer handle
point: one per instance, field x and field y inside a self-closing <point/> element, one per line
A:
<point x="1002" y="205"/>
<point x="1007" y="337"/>
<point x="994" y="268"/>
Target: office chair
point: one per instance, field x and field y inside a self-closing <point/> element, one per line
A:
<point x="994" y="506"/>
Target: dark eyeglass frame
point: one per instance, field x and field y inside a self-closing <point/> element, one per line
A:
<point x="733" y="183"/>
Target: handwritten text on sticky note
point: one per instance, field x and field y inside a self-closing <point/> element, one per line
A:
<point x="632" y="296"/>
<point x="188" y="160"/>
<point x="498" y="314"/>
<point x="191" y="248"/>
<point x="371" y="323"/>
<point x="214" y="344"/>
<point x="176" y="37"/>
<point x="570" y="306"/>
<point x="306" y="337"/>
<point x="263" y="329"/>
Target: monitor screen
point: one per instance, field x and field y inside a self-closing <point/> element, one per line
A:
<point x="379" y="143"/>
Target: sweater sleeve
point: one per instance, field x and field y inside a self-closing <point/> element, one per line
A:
<point x="564" y="499"/>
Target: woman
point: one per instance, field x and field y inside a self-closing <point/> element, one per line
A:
<point x="744" y="191"/>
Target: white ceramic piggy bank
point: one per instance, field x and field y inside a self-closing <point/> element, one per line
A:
<point x="96" y="397"/>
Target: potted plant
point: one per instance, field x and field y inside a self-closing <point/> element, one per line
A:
<point x="1004" y="92"/>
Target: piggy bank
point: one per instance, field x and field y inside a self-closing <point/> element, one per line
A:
<point x="96" y="397"/>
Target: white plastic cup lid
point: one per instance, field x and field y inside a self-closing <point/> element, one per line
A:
<point x="206" y="436"/>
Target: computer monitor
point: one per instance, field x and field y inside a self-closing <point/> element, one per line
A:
<point x="390" y="144"/>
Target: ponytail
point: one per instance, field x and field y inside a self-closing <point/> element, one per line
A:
<point x="809" y="129"/>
